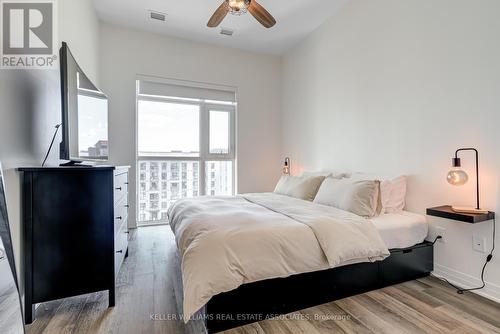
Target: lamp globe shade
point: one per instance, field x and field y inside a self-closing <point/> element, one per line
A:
<point x="457" y="177"/>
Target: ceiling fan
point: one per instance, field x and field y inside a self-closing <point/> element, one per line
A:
<point x="239" y="7"/>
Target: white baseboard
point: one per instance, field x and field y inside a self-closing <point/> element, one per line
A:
<point x="490" y="291"/>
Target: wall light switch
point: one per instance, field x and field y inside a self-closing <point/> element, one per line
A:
<point x="479" y="243"/>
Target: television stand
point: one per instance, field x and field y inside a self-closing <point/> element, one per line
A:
<point x="80" y="215"/>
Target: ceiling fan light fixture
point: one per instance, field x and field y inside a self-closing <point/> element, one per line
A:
<point x="237" y="7"/>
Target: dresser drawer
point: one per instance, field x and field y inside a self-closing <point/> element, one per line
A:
<point x="121" y="214"/>
<point x="120" y="186"/>
<point x="121" y="245"/>
<point x="407" y="264"/>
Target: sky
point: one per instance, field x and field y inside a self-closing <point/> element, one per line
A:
<point x="168" y="127"/>
<point x="162" y="127"/>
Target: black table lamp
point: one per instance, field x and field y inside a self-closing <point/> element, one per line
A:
<point x="459" y="177"/>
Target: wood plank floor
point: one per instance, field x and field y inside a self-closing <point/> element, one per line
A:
<point x="149" y="293"/>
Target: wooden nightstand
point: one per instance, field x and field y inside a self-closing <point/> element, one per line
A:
<point x="445" y="211"/>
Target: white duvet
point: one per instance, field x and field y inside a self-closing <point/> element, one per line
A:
<point x="225" y="242"/>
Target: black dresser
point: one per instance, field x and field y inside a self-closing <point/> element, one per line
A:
<point x="75" y="231"/>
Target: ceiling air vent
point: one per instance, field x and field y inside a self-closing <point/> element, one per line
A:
<point x="158" y="16"/>
<point x="227" y="32"/>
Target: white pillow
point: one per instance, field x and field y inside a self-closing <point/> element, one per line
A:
<point x="392" y="192"/>
<point x="357" y="196"/>
<point x="397" y="198"/>
<point x="299" y="187"/>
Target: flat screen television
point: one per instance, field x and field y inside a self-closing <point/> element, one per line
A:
<point x="84" y="114"/>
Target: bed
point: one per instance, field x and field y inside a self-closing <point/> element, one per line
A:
<point x="270" y="298"/>
<point x="401" y="230"/>
<point x="251" y="257"/>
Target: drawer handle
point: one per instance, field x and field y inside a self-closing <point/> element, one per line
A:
<point x="126" y="183"/>
<point x="119" y="217"/>
<point x="127" y="206"/>
<point x="127" y="232"/>
<point x="120" y="251"/>
<point x="118" y="188"/>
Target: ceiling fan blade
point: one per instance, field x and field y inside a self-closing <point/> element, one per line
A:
<point x="218" y="16"/>
<point x="261" y="14"/>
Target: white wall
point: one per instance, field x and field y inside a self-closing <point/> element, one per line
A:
<point x="30" y="105"/>
<point x="396" y="86"/>
<point x="126" y="53"/>
<point x="79" y="27"/>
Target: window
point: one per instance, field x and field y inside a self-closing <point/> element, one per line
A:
<point x="216" y="181"/>
<point x="219" y="132"/>
<point x="175" y="191"/>
<point x="185" y="146"/>
<point x="175" y="171"/>
<point x="154" y="186"/>
<point x="168" y="129"/>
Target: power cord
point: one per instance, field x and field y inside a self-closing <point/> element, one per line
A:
<point x="51" y="143"/>
<point x="437" y="238"/>
<point x="460" y="291"/>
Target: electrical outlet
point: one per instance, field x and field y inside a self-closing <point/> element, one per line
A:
<point x="479" y="243"/>
<point x="434" y="231"/>
<point x="442" y="232"/>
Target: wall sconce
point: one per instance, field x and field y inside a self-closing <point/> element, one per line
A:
<point x="459" y="177"/>
<point x="287" y="166"/>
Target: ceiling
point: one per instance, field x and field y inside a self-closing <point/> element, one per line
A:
<point x="188" y="19"/>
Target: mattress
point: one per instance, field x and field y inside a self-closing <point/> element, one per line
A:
<point x="401" y="230"/>
<point x="225" y="242"/>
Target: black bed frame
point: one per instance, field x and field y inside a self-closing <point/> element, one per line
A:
<point x="262" y="300"/>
